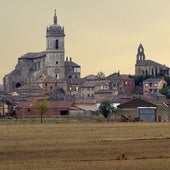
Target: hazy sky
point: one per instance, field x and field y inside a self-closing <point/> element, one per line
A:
<point x="101" y="35"/>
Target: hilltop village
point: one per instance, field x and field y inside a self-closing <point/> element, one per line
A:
<point x="51" y="74"/>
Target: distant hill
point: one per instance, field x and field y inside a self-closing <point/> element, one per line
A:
<point x="1" y="87"/>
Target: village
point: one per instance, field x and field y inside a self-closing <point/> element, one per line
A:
<point x="50" y="75"/>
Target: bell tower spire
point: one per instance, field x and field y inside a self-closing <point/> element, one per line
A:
<point x="55" y="18"/>
<point x="140" y="53"/>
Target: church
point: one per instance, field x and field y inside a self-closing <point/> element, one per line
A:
<point x="46" y="67"/>
<point x="144" y="67"/>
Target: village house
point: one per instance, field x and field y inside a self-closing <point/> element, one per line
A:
<point x="144" y="110"/>
<point x="121" y="83"/>
<point x="89" y="88"/>
<point x="153" y="85"/>
<point x="131" y="109"/>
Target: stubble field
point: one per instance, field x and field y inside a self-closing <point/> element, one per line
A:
<point x="85" y="146"/>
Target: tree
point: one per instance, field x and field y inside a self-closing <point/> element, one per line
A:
<point x="106" y="108"/>
<point x="100" y="75"/>
<point x="167" y="79"/>
<point x="42" y="106"/>
<point x="165" y="91"/>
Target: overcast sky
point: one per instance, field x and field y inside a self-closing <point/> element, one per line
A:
<point x="101" y="35"/>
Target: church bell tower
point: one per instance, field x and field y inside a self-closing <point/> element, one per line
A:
<point x="55" y="52"/>
<point x="140" y="54"/>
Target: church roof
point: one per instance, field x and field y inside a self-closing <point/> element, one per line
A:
<point x="32" y="55"/>
<point x="15" y="73"/>
<point x="150" y="63"/>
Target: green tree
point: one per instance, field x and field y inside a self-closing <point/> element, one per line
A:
<point x="164" y="91"/>
<point x="106" y="108"/>
<point x="42" y="106"/>
<point x="100" y="75"/>
<point x="167" y="79"/>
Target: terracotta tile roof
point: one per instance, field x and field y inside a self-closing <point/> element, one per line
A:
<point x="102" y="91"/>
<point x="121" y="98"/>
<point x="53" y="104"/>
<point x="136" y="102"/>
<point x="30" y="87"/>
<point x="71" y="64"/>
<point x="76" y="81"/>
<point x="91" y="77"/>
<point x="113" y="75"/>
<point x="85" y="101"/>
<point x="124" y="77"/>
<point x="116" y="76"/>
<point x="89" y="84"/>
<point x="152" y="80"/>
<point x="95" y="83"/>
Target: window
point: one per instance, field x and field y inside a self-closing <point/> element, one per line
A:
<point x="155" y="90"/>
<point x="63" y="112"/>
<point x="56" y="44"/>
<point x="56" y="62"/>
<point x="17" y="85"/>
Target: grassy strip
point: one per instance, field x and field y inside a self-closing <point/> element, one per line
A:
<point x="38" y="121"/>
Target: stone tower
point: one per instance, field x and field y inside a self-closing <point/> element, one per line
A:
<point x="55" y="53"/>
<point x="140" y="54"/>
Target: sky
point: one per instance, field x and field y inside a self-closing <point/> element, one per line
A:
<point x="101" y="35"/>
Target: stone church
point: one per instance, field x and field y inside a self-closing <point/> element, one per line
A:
<point x="151" y="68"/>
<point x="44" y="67"/>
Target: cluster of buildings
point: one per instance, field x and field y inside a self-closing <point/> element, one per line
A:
<point x="51" y="73"/>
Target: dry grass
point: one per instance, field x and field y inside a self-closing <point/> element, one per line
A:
<point x="85" y="146"/>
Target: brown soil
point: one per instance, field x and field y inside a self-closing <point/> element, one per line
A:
<point x="129" y="146"/>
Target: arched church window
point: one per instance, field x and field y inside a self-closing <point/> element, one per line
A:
<point x="17" y="85"/>
<point x="56" y="44"/>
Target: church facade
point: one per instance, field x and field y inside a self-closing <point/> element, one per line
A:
<point x="34" y="67"/>
<point x="144" y="67"/>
